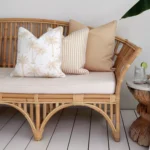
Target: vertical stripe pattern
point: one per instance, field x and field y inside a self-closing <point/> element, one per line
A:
<point x="74" y="52"/>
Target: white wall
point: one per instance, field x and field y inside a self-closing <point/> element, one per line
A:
<point x="93" y="13"/>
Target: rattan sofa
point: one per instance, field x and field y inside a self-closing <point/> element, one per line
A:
<point x="38" y="108"/>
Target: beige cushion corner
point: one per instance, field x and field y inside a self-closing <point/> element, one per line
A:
<point x="100" y="45"/>
<point x="75" y="26"/>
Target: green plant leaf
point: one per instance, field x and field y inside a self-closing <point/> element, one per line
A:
<point x="138" y="8"/>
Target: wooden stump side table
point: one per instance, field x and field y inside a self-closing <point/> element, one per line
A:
<point x="140" y="128"/>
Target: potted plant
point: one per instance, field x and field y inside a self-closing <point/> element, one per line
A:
<point x="138" y="8"/>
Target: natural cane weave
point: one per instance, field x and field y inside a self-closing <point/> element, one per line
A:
<point x="39" y="108"/>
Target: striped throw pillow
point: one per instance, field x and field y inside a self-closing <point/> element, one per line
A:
<point x="74" y="52"/>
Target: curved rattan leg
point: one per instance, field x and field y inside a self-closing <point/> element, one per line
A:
<point x="108" y="119"/>
<point x="115" y="130"/>
<point x="116" y="134"/>
<point x="37" y="135"/>
<point x="38" y="125"/>
<point x="48" y="117"/>
<point x="22" y="108"/>
<point x="24" y="113"/>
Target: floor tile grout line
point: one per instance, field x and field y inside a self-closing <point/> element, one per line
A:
<point x="125" y="130"/>
<point x="8" y="120"/>
<point x="72" y="128"/>
<point x="107" y="134"/>
<point x="123" y="121"/>
<point x="15" y="134"/>
<point x="135" y="114"/>
<point x="91" y="114"/>
<point x="54" y="129"/>
<point x="29" y="142"/>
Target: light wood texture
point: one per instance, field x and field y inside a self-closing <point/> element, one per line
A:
<point x="98" y="137"/>
<point x="140" y="128"/>
<point x="9" y="32"/>
<point x="41" y="106"/>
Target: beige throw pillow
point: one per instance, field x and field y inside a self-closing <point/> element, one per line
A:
<point x="74" y="52"/>
<point x="100" y="45"/>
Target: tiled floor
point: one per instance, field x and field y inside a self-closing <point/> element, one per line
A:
<point x="70" y="129"/>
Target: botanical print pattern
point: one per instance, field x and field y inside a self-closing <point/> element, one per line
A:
<point x="52" y="41"/>
<point x="22" y="60"/>
<point x="39" y="57"/>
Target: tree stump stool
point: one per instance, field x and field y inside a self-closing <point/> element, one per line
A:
<point x="140" y="128"/>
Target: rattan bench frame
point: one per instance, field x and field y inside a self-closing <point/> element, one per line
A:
<point x="39" y="108"/>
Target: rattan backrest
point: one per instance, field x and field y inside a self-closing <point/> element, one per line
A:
<point x="9" y="35"/>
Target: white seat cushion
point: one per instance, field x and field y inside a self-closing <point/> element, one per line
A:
<point x="93" y="83"/>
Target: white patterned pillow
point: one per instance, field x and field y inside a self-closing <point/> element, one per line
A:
<point x="39" y="57"/>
